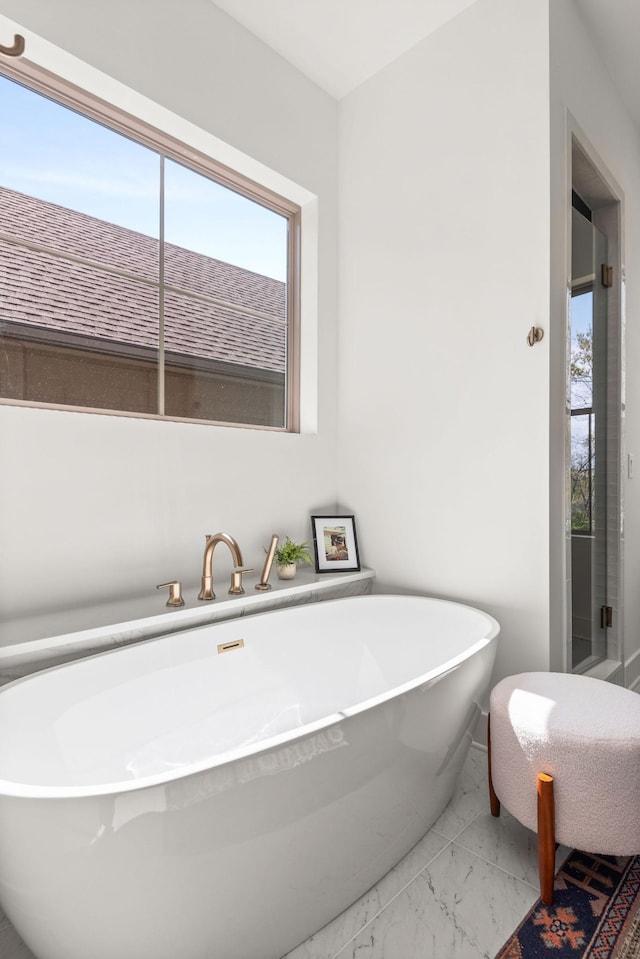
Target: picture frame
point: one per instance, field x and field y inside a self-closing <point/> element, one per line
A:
<point x="335" y="544"/>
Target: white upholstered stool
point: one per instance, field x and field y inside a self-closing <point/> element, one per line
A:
<point x="564" y="759"/>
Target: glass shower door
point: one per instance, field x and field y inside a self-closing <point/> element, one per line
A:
<point x="588" y="476"/>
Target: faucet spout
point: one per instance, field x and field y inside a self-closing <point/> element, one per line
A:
<point x="206" y="589"/>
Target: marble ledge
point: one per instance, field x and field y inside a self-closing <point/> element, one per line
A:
<point x="50" y="639"/>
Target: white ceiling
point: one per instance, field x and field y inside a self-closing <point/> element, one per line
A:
<point x="340" y="43"/>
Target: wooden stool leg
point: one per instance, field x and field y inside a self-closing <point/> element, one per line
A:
<point x="546" y="837"/>
<point x="493" y="799"/>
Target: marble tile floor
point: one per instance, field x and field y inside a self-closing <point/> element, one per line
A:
<point x="458" y="894"/>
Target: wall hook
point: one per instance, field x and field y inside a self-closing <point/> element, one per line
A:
<point x="16" y="50"/>
<point x="534" y="335"/>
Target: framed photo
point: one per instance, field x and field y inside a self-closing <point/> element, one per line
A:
<point x="335" y="543"/>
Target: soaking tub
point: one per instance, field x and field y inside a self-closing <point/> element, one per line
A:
<point x="223" y="792"/>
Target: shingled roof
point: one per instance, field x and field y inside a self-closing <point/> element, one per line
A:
<point x="213" y="310"/>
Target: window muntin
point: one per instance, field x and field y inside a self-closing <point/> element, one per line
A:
<point x="197" y="313"/>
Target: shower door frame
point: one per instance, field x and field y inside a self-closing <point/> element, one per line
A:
<point x="599" y="191"/>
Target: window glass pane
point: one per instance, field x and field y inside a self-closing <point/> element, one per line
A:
<point x="581" y="351"/>
<point x="582" y="472"/>
<point x="582" y="418"/>
<point x="225" y="316"/>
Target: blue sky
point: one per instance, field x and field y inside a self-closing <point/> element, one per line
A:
<point x="52" y="153"/>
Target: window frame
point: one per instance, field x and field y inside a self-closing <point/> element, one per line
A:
<point x="69" y="94"/>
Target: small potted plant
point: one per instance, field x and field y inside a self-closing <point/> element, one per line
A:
<point x="288" y="556"/>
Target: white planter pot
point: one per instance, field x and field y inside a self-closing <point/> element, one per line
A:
<point x="287" y="572"/>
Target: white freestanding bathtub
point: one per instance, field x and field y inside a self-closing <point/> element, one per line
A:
<point x="223" y="792"/>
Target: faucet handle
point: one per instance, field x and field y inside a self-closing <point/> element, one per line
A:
<point x="175" y="592"/>
<point x="236" y="588"/>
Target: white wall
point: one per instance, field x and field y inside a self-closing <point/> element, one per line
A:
<point x="444" y="267"/>
<point x="90" y="505"/>
<point x="583" y="96"/>
<point x="445" y="426"/>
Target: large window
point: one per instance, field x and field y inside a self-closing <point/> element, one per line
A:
<point x="136" y="275"/>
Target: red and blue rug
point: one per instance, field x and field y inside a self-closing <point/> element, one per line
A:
<point x="595" y="913"/>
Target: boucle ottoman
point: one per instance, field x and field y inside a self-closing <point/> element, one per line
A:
<point x="564" y="759"/>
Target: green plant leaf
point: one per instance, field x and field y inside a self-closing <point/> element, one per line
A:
<point x="290" y="552"/>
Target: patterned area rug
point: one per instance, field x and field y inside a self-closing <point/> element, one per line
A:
<point x="595" y="913"/>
